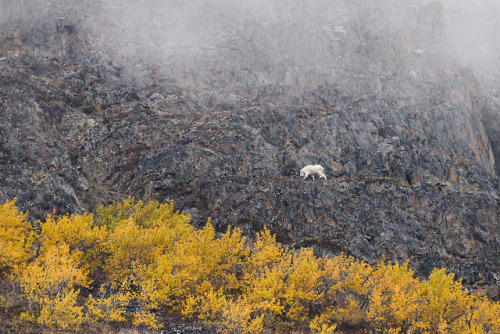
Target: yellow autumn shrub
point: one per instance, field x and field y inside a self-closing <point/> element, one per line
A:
<point x="86" y="241"/>
<point x="322" y="325"/>
<point x="239" y="316"/>
<point x="51" y="285"/>
<point x="245" y="294"/>
<point x="201" y="266"/>
<point x="302" y="293"/>
<point x="61" y="310"/>
<point x="394" y="297"/>
<point x="16" y="238"/>
<point x="346" y="284"/>
<point x="483" y="318"/>
<point x="108" y="303"/>
<point x="131" y="250"/>
<point x="266" y="292"/>
<point x="135" y="261"/>
<point x="141" y="241"/>
<point x="142" y="214"/>
<point x="114" y="214"/>
<point x="216" y="261"/>
<point x="445" y="305"/>
<point x="264" y="274"/>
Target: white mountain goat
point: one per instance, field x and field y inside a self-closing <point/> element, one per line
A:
<point x="313" y="170"/>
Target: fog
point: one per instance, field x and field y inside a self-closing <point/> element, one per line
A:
<point x="474" y="30"/>
<point x="284" y="42"/>
<point x="297" y="40"/>
<point x="199" y="42"/>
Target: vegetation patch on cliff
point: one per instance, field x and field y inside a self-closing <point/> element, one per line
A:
<point x="135" y="263"/>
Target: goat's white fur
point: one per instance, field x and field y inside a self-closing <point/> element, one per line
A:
<point x="313" y="170"/>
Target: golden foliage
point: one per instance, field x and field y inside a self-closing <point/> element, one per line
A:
<point x="239" y="316"/>
<point x="109" y="304"/>
<point x="61" y="310"/>
<point x="49" y="286"/>
<point x="146" y="260"/>
<point x="394" y="296"/>
<point x="86" y="242"/>
<point x="16" y="238"/>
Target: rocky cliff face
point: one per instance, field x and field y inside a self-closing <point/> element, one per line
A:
<point x="217" y="105"/>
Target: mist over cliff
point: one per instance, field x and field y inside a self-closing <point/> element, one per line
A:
<point x="218" y="104"/>
<point x="286" y="43"/>
<point x="295" y="43"/>
<point x="473" y="30"/>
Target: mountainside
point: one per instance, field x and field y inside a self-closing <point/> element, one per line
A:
<point x="218" y="105"/>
